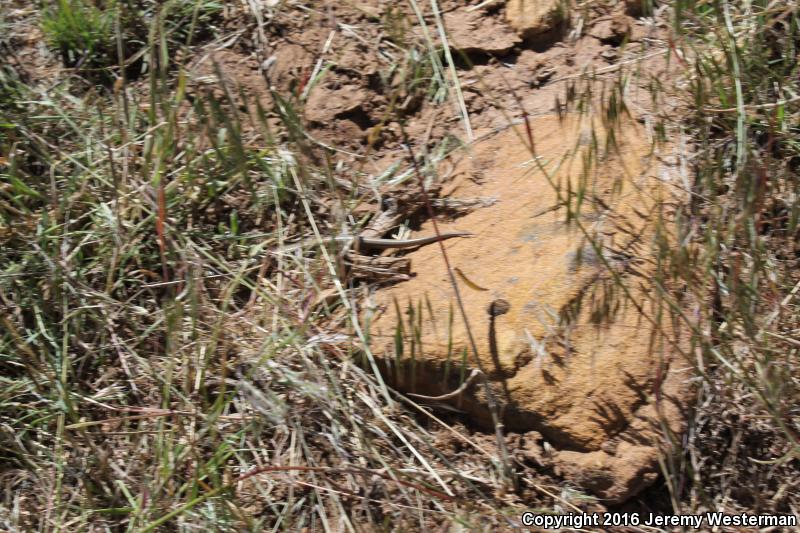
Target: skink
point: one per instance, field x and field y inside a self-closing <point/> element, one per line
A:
<point x="382" y="244"/>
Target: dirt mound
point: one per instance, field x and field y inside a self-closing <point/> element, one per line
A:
<point x="568" y="357"/>
<point x="584" y="388"/>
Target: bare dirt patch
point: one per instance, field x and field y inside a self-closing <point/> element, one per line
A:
<point x="584" y="381"/>
<point x="344" y="67"/>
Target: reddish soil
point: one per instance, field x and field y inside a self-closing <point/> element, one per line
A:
<point x="355" y="70"/>
<point x="344" y="67"/>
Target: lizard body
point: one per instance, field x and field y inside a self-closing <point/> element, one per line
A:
<point x="382" y="244"/>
